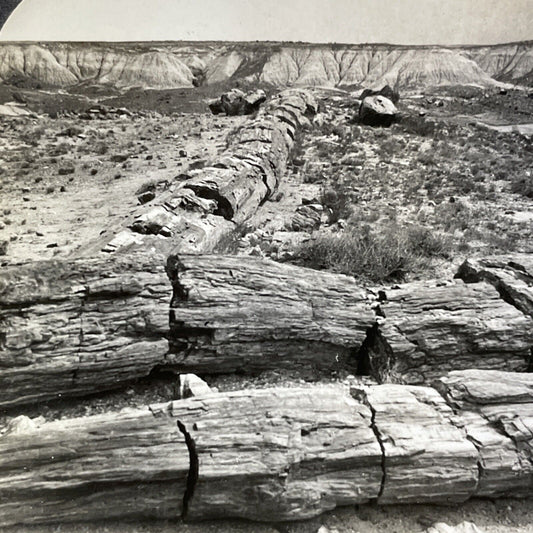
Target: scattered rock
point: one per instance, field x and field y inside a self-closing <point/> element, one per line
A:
<point x="146" y="197"/>
<point x="3" y="247"/>
<point x="463" y="527"/>
<point x="236" y="102"/>
<point x="64" y="171"/>
<point x="377" y="111"/>
<point x="387" y="91"/>
<point x="191" y="385"/>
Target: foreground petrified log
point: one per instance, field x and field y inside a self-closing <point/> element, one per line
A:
<point x="84" y="326"/>
<point x="69" y="328"/>
<point x="235" y="314"/>
<point x="267" y="455"/>
<point x="429" y="328"/>
<point x="276" y="454"/>
<point x="232" y="314"/>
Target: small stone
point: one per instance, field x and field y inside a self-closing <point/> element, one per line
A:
<point x="191" y="385"/>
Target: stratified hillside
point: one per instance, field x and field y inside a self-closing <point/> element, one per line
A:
<point x="174" y="65"/>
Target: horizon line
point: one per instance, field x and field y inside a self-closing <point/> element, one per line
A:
<point x="312" y="43"/>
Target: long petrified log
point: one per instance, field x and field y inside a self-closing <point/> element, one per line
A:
<point x="429" y="328"/>
<point x="85" y="326"/>
<point x="69" y="328"/>
<point x="235" y="314"/>
<point x="207" y="203"/>
<point x="276" y="454"/>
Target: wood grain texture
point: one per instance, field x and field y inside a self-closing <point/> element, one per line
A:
<point x="276" y="454"/>
<point x="430" y="328"/>
<point x="246" y="314"/>
<point x="71" y="328"/>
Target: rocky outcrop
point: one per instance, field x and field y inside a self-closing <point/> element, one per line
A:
<point x="167" y="65"/>
<point x="377" y="111"/>
<point x="275" y="454"/>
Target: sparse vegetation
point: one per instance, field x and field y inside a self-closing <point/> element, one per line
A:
<point x="375" y="253"/>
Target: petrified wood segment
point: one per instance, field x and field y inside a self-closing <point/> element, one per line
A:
<point x="246" y="314"/>
<point x="78" y="327"/>
<point x="429" y="329"/>
<point x="496" y="410"/>
<point x="276" y="454"/>
<point x="281" y="454"/>
<point x="88" y="325"/>
<point x="511" y="275"/>
<point x="117" y="465"/>
<point x="426" y="457"/>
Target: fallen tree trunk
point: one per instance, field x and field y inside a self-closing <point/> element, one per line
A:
<point x="85" y="326"/>
<point x="71" y="328"/>
<point x="275" y="454"/>
<point x="233" y="314"/>
<point x="205" y="204"/>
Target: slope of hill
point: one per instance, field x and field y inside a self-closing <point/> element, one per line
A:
<point x="176" y="65"/>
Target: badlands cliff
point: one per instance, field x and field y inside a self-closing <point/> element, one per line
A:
<point x="174" y="65"/>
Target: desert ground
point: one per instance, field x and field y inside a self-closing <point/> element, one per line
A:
<point x="451" y="179"/>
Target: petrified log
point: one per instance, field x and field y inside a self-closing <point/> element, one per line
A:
<point x="81" y="326"/>
<point x="430" y="328"/>
<point x="228" y="190"/>
<point x="85" y="326"/>
<point x="117" y="465"/>
<point x="274" y="454"/>
<point x="232" y="314"/>
<point x="426" y="457"/>
<point x="511" y="275"/>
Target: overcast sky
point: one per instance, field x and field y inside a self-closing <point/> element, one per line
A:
<point x="346" y="21"/>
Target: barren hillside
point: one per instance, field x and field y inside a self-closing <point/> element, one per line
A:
<point x="172" y="65"/>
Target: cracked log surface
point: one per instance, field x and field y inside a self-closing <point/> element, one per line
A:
<point x="511" y="275"/>
<point x="232" y="314"/>
<point x="496" y="409"/>
<point x="208" y="202"/>
<point x="69" y="328"/>
<point x="84" y="326"/>
<point x="429" y="329"/>
<point x="276" y="454"/>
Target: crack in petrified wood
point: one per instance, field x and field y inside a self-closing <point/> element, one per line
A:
<point x="276" y="454"/>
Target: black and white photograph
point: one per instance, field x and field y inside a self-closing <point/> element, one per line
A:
<point x="266" y="266"/>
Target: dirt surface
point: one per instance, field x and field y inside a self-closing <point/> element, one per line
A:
<point x="66" y="183"/>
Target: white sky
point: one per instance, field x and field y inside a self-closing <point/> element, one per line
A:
<point x="347" y="21"/>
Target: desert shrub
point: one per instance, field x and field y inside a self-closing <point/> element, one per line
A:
<point x="374" y="253"/>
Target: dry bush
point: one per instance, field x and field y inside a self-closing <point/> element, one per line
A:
<point x="375" y="253"/>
